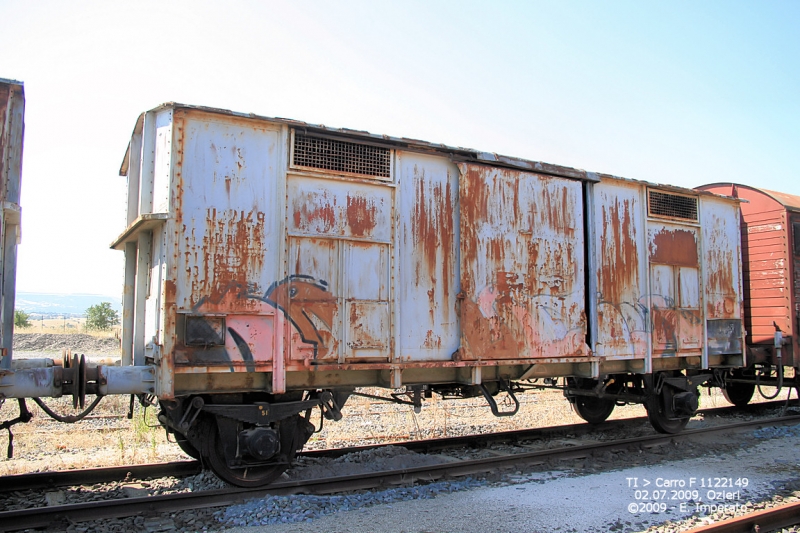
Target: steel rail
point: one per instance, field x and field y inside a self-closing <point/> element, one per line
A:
<point x="762" y="521"/>
<point x="91" y="476"/>
<point x="43" y="517"/>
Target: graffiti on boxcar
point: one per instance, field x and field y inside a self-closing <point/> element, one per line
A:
<point x="305" y="301"/>
<point x="309" y="306"/>
<point x="626" y="326"/>
<point x="507" y="323"/>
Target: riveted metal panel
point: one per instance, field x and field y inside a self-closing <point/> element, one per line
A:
<point x="427" y="267"/>
<point x="227" y="241"/>
<point x="621" y="277"/>
<point x="522" y="265"/>
<point x="339" y="289"/>
<point x="722" y="275"/>
<point x="675" y="303"/>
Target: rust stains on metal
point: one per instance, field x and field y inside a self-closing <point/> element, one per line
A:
<point x="507" y="286"/>
<point x="367" y="328"/>
<point x="473" y="202"/>
<point x="361" y="213"/>
<point x="720" y="260"/>
<point x="432" y="227"/>
<point x="432" y="340"/>
<point x="521" y="267"/>
<point x="619" y="254"/>
<point x="665" y="329"/>
<point x="314" y="211"/>
<point x="232" y="249"/>
<point x="339" y="209"/>
<point x="674" y="247"/>
<point x="490" y="337"/>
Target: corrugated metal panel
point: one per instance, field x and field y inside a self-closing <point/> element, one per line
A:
<point x="522" y="265"/>
<point x="795" y="277"/>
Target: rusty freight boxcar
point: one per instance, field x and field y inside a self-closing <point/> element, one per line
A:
<point x="273" y="267"/>
<point x="771" y="276"/>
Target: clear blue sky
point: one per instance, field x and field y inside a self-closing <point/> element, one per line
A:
<point x="685" y="93"/>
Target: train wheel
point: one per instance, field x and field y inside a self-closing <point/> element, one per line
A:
<point x="739" y="394"/>
<point x="244" y="476"/>
<point x="658" y="418"/>
<point x="186" y="446"/>
<point x="593" y="410"/>
<point x="293" y="432"/>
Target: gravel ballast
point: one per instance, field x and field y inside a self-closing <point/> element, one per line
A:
<point x="569" y="501"/>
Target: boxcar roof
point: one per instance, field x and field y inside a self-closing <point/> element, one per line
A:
<point x="789" y="201"/>
<point x="457" y="154"/>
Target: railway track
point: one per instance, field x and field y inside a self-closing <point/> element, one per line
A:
<point x="91" y="476"/>
<point x="52" y="516"/>
<point x="762" y="521"/>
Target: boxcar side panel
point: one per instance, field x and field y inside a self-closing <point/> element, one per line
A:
<point x="522" y="265"/>
<point x="622" y="317"/>
<point x="339" y="292"/>
<point x="675" y="299"/>
<point x="795" y="276"/>
<point x="427" y="262"/>
<point x="227" y="194"/>
<point x="722" y="275"/>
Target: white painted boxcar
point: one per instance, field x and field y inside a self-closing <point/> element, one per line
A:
<point x="267" y="258"/>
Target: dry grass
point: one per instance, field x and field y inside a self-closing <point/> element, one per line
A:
<point x="107" y="438"/>
<point x="64" y="325"/>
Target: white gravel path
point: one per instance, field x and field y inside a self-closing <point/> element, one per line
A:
<point x="560" y="501"/>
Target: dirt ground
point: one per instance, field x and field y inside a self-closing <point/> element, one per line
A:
<point x="94" y="344"/>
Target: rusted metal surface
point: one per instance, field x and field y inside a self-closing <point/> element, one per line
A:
<point x="12" y="126"/>
<point x="427" y="266"/>
<point x="722" y="276"/>
<point x="674" y="288"/>
<point x="247" y="263"/>
<point x="340" y="249"/>
<point x="622" y="317"/>
<point x="522" y="267"/>
<point x="795" y="240"/>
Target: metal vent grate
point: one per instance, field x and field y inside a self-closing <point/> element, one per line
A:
<point x="673" y="205"/>
<point x="341" y="156"/>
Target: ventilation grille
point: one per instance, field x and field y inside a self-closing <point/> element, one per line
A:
<point x="673" y="205"/>
<point x="341" y="156"/>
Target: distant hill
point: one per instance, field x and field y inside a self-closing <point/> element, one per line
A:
<point x="48" y="304"/>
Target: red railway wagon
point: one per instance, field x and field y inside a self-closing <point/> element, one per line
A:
<point x="771" y="276"/>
